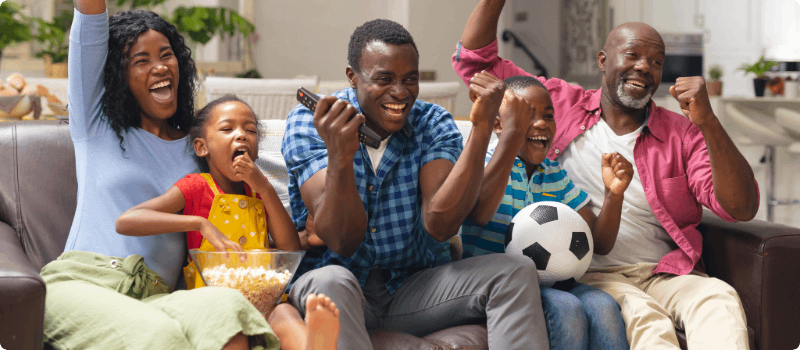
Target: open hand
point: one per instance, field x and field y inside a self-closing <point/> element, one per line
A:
<point x="693" y="98"/>
<point x="515" y="113"/>
<point x="486" y="92"/>
<point x="246" y="170"/>
<point x="338" y="127"/>
<point x="617" y="172"/>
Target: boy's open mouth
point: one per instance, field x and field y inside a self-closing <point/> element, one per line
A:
<point x="538" y="142"/>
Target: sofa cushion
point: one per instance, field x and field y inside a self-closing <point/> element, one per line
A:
<point x="38" y="186"/>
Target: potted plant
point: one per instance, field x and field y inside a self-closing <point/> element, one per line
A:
<point x="758" y="68"/>
<point x="714" y="86"/>
<point x="15" y="27"/>
<point x="55" y="44"/>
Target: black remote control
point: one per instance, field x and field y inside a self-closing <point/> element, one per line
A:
<point x="365" y="134"/>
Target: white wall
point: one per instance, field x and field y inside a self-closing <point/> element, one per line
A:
<point x="306" y="37"/>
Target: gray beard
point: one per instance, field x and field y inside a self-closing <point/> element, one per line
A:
<point x="630" y="102"/>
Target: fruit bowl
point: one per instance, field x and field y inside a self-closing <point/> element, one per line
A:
<point x="261" y="276"/>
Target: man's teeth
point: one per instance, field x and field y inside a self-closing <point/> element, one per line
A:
<point x="635" y="83"/>
<point x="538" y="138"/>
<point x="160" y="85"/>
<point x="395" y="106"/>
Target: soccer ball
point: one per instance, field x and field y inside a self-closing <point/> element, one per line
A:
<point x="556" y="238"/>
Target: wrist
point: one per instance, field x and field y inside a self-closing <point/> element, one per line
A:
<point x="199" y="223"/>
<point x="610" y="196"/>
<point x="708" y="121"/>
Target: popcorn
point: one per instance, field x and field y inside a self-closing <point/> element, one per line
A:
<point x="262" y="287"/>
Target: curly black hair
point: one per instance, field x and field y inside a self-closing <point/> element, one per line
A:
<point x="197" y="128"/>
<point x="519" y="83"/>
<point x="119" y="105"/>
<point x="382" y="30"/>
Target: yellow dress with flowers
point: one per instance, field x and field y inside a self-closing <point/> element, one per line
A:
<point x="241" y="218"/>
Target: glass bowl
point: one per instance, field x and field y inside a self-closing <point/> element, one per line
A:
<point x="260" y="275"/>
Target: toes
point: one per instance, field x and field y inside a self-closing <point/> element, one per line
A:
<point x="332" y="307"/>
<point x="312" y="301"/>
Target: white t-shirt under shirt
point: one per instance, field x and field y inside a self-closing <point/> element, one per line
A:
<point x="375" y="155"/>
<point x="641" y="237"/>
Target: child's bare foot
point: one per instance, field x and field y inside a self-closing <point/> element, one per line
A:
<point x="322" y="318"/>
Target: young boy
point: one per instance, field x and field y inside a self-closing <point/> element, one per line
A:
<point x="518" y="174"/>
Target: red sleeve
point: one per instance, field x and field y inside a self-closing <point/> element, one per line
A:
<point x="469" y="62"/>
<point x="193" y="187"/>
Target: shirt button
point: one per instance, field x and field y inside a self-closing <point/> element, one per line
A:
<point x="583" y="127"/>
<point x="242" y="240"/>
<point x="242" y="204"/>
<point x="557" y="151"/>
<point x="371" y="188"/>
<point x="597" y="112"/>
<point x="374" y="230"/>
<point x="519" y="165"/>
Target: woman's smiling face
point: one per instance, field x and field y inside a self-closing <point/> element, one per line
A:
<point x="152" y="75"/>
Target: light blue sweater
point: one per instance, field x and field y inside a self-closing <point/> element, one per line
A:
<point x="110" y="181"/>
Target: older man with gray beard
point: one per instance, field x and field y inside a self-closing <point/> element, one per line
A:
<point x="679" y="163"/>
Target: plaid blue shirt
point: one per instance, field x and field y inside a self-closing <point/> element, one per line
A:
<point x="395" y="239"/>
<point x="549" y="182"/>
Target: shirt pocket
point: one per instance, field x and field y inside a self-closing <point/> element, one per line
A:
<point x="679" y="201"/>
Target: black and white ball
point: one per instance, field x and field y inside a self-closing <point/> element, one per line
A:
<point x="556" y="238"/>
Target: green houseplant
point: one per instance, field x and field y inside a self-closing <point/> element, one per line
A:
<point x="759" y="69"/>
<point x="14" y="26"/>
<point x="714" y="84"/>
<point x="55" y="43"/>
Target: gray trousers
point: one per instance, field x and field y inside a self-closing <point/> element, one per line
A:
<point x="502" y="289"/>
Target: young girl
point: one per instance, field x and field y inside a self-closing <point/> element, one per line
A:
<point x="234" y="197"/>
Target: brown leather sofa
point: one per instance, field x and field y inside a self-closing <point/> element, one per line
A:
<point x="38" y="197"/>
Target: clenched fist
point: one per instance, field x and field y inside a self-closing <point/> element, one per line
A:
<point x="692" y="95"/>
<point x="486" y="92"/>
<point x="617" y="172"/>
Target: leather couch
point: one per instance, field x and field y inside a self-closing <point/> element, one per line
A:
<point x="38" y="197"/>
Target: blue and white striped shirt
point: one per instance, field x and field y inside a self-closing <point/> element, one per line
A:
<point x="396" y="240"/>
<point x="549" y="182"/>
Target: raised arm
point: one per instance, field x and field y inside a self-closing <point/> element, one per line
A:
<point x="481" y="28"/>
<point x="88" y="48"/>
<point x="90" y="7"/>
<point x="734" y="186"/>
<point x="449" y="191"/>
<point x="156" y="216"/>
<point x="515" y="117"/>
<point x="477" y="50"/>
<point x="331" y="194"/>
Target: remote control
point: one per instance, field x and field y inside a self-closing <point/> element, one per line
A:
<point x="365" y="134"/>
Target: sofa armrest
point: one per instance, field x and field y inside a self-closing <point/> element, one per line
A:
<point x="22" y="293"/>
<point x="761" y="261"/>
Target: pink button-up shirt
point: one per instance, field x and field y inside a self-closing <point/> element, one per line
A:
<point x="670" y="154"/>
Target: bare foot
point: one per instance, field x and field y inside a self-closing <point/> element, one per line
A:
<point x="322" y="318"/>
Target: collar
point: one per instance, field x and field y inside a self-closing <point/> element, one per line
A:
<point x="654" y="121"/>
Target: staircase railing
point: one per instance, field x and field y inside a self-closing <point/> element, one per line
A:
<point x="508" y="35"/>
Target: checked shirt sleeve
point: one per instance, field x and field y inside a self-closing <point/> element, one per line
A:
<point x="305" y="154"/>
<point x="442" y="139"/>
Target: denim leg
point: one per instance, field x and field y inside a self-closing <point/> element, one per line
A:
<point x="567" y="326"/>
<point x="606" y="326"/>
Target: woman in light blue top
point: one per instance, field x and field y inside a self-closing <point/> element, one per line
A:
<point x="131" y="82"/>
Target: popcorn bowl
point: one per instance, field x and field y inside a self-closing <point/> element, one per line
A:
<point x="260" y="275"/>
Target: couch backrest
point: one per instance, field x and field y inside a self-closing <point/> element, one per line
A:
<point x="38" y="187"/>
